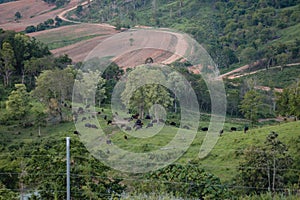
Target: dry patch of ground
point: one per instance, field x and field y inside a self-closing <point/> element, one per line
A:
<point x="33" y="12"/>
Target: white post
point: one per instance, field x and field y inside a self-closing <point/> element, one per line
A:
<point x="68" y="167"/>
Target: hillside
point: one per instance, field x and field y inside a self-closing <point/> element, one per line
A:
<point x="234" y="32"/>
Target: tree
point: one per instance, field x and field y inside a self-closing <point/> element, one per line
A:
<point x="141" y="93"/>
<point x="18" y="16"/>
<point x="185" y="181"/>
<point x="264" y="167"/>
<point x="288" y="102"/>
<point x="17" y="104"/>
<point x="54" y="87"/>
<point x="250" y="105"/>
<point x="89" y="85"/>
<point x="7" y="62"/>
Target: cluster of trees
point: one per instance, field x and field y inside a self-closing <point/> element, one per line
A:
<point x="269" y="167"/>
<point x="58" y="3"/>
<point x="48" y="24"/>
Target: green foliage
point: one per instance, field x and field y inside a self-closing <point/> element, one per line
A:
<point x="7" y="65"/>
<point x="89" y="178"/>
<point x="17" y="104"/>
<point x="288" y="102"/>
<point x="141" y="97"/>
<point x="264" y="167"/>
<point x="185" y="181"/>
<point x="54" y="87"/>
<point x="250" y="105"/>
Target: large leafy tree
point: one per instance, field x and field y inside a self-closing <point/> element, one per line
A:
<point x="7" y="62"/>
<point x="141" y="97"/>
<point x="250" y="105"/>
<point x="53" y="87"/>
<point x="89" y="87"/>
<point x="288" y="102"/>
<point x="17" y="104"/>
<point x="264" y="168"/>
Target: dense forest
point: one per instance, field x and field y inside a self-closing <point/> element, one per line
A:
<point x="257" y="158"/>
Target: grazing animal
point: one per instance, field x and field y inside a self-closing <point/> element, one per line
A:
<point x="94" y="126"/>
<point x="161" y="120"/>
<point x="122" y="125"/>
<point x="99" y="113"/>
<point x="128" y="128"/>
<point x="204" y="129"/>
<point x="246" y="128"/>
<point x="221" y="132"/>
<point x="80" y="110"/>
<point x="105" y="117"/>
<point x="154" y="121"/>
<point x="76" y="133"/>
<point x="102" y="110"/>
<point x="66" y="105"/>
<point x="186" y="127"/>
<point x="149" y="125"/>
<point x="173" y="123"/>
<point x="233" y="128"/>
<point x="88" y="125"/>
<point x="136" y="116"/>
<point x="125" y="137"/>
<point x="148" y="117"/>
<point x="109" y="122"/>
<point x="108" y="142"/>
<point x="138" y="127"/>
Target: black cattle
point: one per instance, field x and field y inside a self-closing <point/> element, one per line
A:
<point x="76" y="133"/>
<point x="80" y="110"/>
<point x="148" y="117"/>
<point x="105" y="117"/>
<point x="88" y="125"/>
<point x="149" y="125"/>
<point x="125" y="137"/>
<point x="154" y="121"/>
<point x="161" y="120"/>
<point x="128" y="128"/>
<point x="94" y="126"/>
<point x="108" y="142"/>
<point x="186" y="127"/>
<point x="136" y="116"/>
<point x="221" y="132"/>
<point x="246" y="128"/>
<point x="173" y="123"/>
<point x="138" y="127"/>
<point x="109" y="122"/>
<point x="233" y="128"/>
<point x="204" y="129"/>
<point x="122" y="125"/>
<point x="99" y="113"/>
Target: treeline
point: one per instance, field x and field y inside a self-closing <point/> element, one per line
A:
<point x="58" y="3"/>
<point x="234" y="32"/>
<point x="48" y="24"/>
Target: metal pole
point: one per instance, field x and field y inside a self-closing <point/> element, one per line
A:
<point x="68" y="167"/>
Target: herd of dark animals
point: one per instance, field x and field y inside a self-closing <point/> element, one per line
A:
<point x="138" y="124"/>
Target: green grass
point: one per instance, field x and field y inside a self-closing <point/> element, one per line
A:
<point x="222" y="160"/>
<point x="64" y="41"/>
